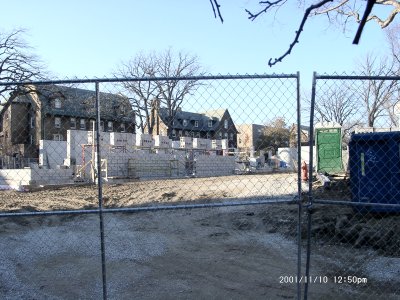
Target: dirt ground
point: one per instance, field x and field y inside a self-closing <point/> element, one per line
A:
<point x="245" y="252"/>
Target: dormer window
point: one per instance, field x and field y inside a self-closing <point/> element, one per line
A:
<point x="196" y="123"/>
<point x="57" y="103"/>
<point x="226" y="124"/>
<point x="185" y="122"/>
<point x="210" y="123"/>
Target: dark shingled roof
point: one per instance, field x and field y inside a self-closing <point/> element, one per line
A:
<point x="202" y="120"/>
<point x="78" y="102"/>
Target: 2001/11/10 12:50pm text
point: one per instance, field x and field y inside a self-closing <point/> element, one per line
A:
<point x="339" y="279"/>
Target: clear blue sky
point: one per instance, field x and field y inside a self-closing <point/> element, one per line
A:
<point x="88" y="38"/>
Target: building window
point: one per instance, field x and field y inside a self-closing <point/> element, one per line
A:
<point x="101" y="125"/>
<point x="210" y="123"/>
<point x="57" y="137"/>
<point x="180" y="133"/>
<point x="82" y="124"/>
<point x="208" y="135"/>
<point x="192" y="134"/>
<point x="185" y="122"/>
<point x="109" y="126"/>
<point x="72" y="123"/>
<point x="32" y="122"/>
<point x="231" y="137"/>
<point x="57" y="103"/>
<point x="31" y="139"/>
<point x="226" y="135"/>
<point x="220" y="135"/>
<point x="226" y="124"/>
<point x="173" y="133"/>
<point x="196" y="123"/>
<point x="57" y="122"/>
<point x="123" y="127"/>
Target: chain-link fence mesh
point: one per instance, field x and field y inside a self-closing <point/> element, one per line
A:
<point x="355" y="195"/>
<point x="191" y="188"/>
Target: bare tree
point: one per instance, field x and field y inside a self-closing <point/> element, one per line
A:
<point x="142" y="94"/>
<point x="341" y="105"/>
<point x="378" y="95"/>
<point x="341" y="11"/>
<point x="17" y="64"/>
<point x="180" y="69"/>
<point x="169" y="79"/>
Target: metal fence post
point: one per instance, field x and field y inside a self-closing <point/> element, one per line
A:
<point x="310" y="185"/>
<point x="100" y="191"/>
<point x="299" y="187"/>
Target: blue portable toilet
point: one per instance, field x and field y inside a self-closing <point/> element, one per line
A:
<point x="374" y="162"/>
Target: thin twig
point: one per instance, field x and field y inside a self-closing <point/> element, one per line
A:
<point x="298" y="32"/>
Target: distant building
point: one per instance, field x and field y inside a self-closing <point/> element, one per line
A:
<point x="46" y="112"/>
<point x="304" y="138"/>
<point x="248" y="136"/>
<point x="216" y="125"/>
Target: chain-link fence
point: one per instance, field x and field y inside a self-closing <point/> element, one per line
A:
<point x="194" y="187"/>
<point x="353" y="208"/>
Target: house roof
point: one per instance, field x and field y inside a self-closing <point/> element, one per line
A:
<point x="78" y="102"/>
<point x="202" y="120"/>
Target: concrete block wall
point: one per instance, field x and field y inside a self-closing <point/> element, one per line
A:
<point x="123" y="139"/>
<point x="161" y="141"/>
<point x="186" y="142"/>
<point x="52" y="153"/>
<point x="144" y="140"/>
<point x="28" y="176"/>
<point x="216" y="144"/>
<point x="207" y="165"/>
<point x="204" y="144"/>
<point x="150" y="165"/>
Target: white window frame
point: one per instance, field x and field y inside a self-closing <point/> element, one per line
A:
<point x="82" y="124"/>
<point x="196" y="123"/>
<point x="122" y="126"/>
<point x="57" y="103"/>
<point x="226" y="135"/>
<point x="226" y="124"/>
<point x="220" y="135"/>
<point x="72" y="123"/>
<point x="231" y="137"/>
<point x="210" y="123"/>
<point x="185" y="122"/>
<point x="110" y="126"/>
<point x="173" y="133"/>
<point x="57" y="122"/>
<point x="32" y="122"/>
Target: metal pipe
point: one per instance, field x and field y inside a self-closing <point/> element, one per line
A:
<point x="100" y="193"/>
<point x="310" y="184"/>
<point x="299" y="211"/>
<point x="145" y="208"/>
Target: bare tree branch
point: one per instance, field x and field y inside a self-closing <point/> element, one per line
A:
<point x="216" y="9"/>
<point x="298" y="32"/>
